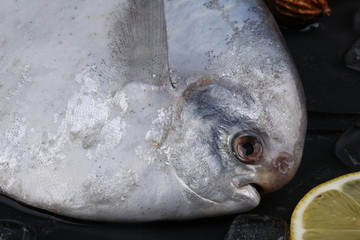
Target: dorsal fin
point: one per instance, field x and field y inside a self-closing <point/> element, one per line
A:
<point x="141" y="42"/>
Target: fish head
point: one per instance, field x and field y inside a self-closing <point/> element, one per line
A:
<point x="233" y="146"/>
<point x="240" y="124"/>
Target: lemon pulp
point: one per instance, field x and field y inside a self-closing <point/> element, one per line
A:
<point x="330" y="211"/>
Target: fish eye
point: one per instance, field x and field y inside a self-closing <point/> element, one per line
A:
<point x="247" y="148"/>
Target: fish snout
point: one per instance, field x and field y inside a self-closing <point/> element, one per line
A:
<point x="270" y="175"/>
<point x="276" y="172"/>
<point x="284" y="163"/>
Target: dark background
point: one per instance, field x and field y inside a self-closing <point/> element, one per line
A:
<point x="333" y="103"/>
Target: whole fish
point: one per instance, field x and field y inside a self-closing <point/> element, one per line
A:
<point x="138" y="110"/>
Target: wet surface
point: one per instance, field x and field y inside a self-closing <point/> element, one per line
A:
<point x="332" y="92"/>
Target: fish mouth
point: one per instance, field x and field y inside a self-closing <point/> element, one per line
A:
<point x="241" y="182"/>
<point x="251" y="190"/>
<point x="258" y="188"/>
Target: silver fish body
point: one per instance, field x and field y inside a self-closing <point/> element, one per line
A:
<point x="145" y="110"/>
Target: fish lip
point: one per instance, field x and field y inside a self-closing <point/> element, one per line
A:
<point x="239" y="182"/>
<point x="251" y="190"/>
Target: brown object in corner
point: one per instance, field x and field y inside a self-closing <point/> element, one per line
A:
<point x="298" y="12"/>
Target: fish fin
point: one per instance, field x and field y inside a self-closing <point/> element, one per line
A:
<point x="141" y="41"/>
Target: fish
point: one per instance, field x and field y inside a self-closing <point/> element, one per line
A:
<point x="136" y="110"/>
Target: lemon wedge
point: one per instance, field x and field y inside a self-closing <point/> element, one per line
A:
<point x="329" y="211"/>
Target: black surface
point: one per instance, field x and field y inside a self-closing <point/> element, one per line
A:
<point x="333" y="102"/>
<point x="329" y="85"/>
<point x="347" y="148"/>
<point x="254" y="227"/>
<point x="352" y="57"/>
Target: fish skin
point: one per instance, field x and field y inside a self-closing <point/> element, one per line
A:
<point x="93" y="128"/>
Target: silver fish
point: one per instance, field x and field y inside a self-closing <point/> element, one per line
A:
<point x="136" y="110"/>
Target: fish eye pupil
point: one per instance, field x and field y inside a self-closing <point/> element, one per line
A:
<point x="247" y="148"/>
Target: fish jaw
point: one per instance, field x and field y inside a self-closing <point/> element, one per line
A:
<point x="243" y="199"/>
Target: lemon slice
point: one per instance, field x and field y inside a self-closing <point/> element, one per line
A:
<point x="329" y="211"/>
